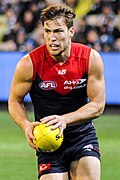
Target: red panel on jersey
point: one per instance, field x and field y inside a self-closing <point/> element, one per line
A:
<point x="62" y="78"/>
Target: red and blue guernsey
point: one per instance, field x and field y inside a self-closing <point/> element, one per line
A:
<point x="59" y="89"/>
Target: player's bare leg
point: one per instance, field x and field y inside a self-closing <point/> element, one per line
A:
<point x="55" y="176"/>
<point x="87" y="168"/>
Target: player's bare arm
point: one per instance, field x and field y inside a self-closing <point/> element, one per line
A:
<point x="20" y="86"/>
<point x="95" y="91"/>
<point x="96" y="95"/>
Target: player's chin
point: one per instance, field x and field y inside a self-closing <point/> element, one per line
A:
<point x="56" y="52"/>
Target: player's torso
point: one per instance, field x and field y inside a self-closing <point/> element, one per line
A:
<point x="59" y="89"/>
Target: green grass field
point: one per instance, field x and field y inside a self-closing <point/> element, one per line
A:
<point x="18" y="161"/>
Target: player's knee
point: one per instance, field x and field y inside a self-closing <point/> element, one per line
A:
<point x="85" y="169"/>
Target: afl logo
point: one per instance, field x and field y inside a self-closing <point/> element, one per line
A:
<point x="47" y="85"/>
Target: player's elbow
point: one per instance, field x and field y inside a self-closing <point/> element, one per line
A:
<point x="10" y="106"/>
<point x="99" y="109"/>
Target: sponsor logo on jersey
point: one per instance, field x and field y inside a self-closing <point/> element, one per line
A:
<point x="62" y="72"/>
<point x="47" y="85"/>
<point x="43" y="167"/>
<point x="75" y="84"/>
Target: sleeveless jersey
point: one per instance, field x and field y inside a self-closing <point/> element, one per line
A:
<point x="59" y="89"/>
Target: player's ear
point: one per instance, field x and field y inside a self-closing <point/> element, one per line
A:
<point x="71" y="32"/>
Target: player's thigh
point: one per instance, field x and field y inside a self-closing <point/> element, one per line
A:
<point x="55" y="176"/>
<point x="87" y="168"/>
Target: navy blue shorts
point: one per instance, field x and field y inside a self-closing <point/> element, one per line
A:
<point x="79" y="141"/>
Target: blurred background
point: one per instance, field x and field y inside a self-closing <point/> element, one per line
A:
<point x="97" y="25"/>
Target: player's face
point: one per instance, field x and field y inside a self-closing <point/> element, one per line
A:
<point x="58" y="38"/>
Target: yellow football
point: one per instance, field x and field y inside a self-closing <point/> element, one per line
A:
<point x="46" y="138"/>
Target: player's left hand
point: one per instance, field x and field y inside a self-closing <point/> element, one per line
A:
<point x="56" y="121"/>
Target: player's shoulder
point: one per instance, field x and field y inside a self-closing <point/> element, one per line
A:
<point x="38" y="54"/>
<point x="95" y="57"/>
<point x="95" y="62"/>
<point x="94" y="54"/>
<point x="37" y="51"/>
<point x="80" y="46"/>
<point x="24" y="65"/>
<point x="24" y="69"/>
<point x="81" y="50"/>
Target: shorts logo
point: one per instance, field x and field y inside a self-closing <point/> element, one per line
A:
<point x="43" y="167"/>
<point x="88" y="147"/>
<point x="47" y="85"/>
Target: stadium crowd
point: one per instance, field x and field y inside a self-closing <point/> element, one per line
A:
<point x="98" y="27"/>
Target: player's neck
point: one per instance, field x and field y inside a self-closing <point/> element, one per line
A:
<point x="62" y="57"/>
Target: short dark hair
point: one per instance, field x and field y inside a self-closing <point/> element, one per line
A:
<point x="56" y="11"/>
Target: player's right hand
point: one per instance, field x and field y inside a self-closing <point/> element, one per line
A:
<point x="29" y="134"/>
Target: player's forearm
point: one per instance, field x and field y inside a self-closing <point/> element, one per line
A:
<point x="86" y="113"/>
<point x="18" y="113"/>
